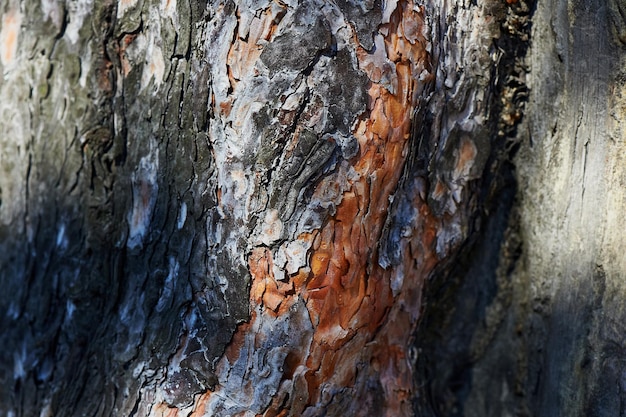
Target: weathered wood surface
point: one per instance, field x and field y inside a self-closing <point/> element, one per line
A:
<point x="233" y="208"/>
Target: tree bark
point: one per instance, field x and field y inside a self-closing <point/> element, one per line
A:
<point x="247" y="207"/>
<point x="530" y="321"/>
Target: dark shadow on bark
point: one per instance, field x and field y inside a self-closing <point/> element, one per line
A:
<point x="458" y="317"/>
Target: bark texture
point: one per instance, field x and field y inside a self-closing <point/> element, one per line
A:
<point x="540" y="332"/>
<point x="218" y="208"/>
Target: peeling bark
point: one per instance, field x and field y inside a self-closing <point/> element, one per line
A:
<point x="235" y="207"/>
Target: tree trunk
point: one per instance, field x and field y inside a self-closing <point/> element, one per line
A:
<point x="236" y="208"/>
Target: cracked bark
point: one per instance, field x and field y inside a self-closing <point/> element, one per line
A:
<point x="236" y="208"/>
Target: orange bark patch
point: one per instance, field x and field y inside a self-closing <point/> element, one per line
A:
<point x="9" y="36"/>
<point x="163" y="410"/>
<point x="169" y="6"/>
<point x="127" y="40"/>
<point x="348" y="293"/>
<point x="275" y="296"/>
<point x="466" y="157"/>
<point x="201" y="403"/>
<point x="239" y="338"/>
<point x="358" y="321"/>
<point x="246" y="48"/>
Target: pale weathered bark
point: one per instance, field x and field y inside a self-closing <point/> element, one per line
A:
<point x="234" y="208"/>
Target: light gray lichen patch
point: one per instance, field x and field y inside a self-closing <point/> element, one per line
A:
<point x="263" y="355"/>
<point x="145" y="188"/>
